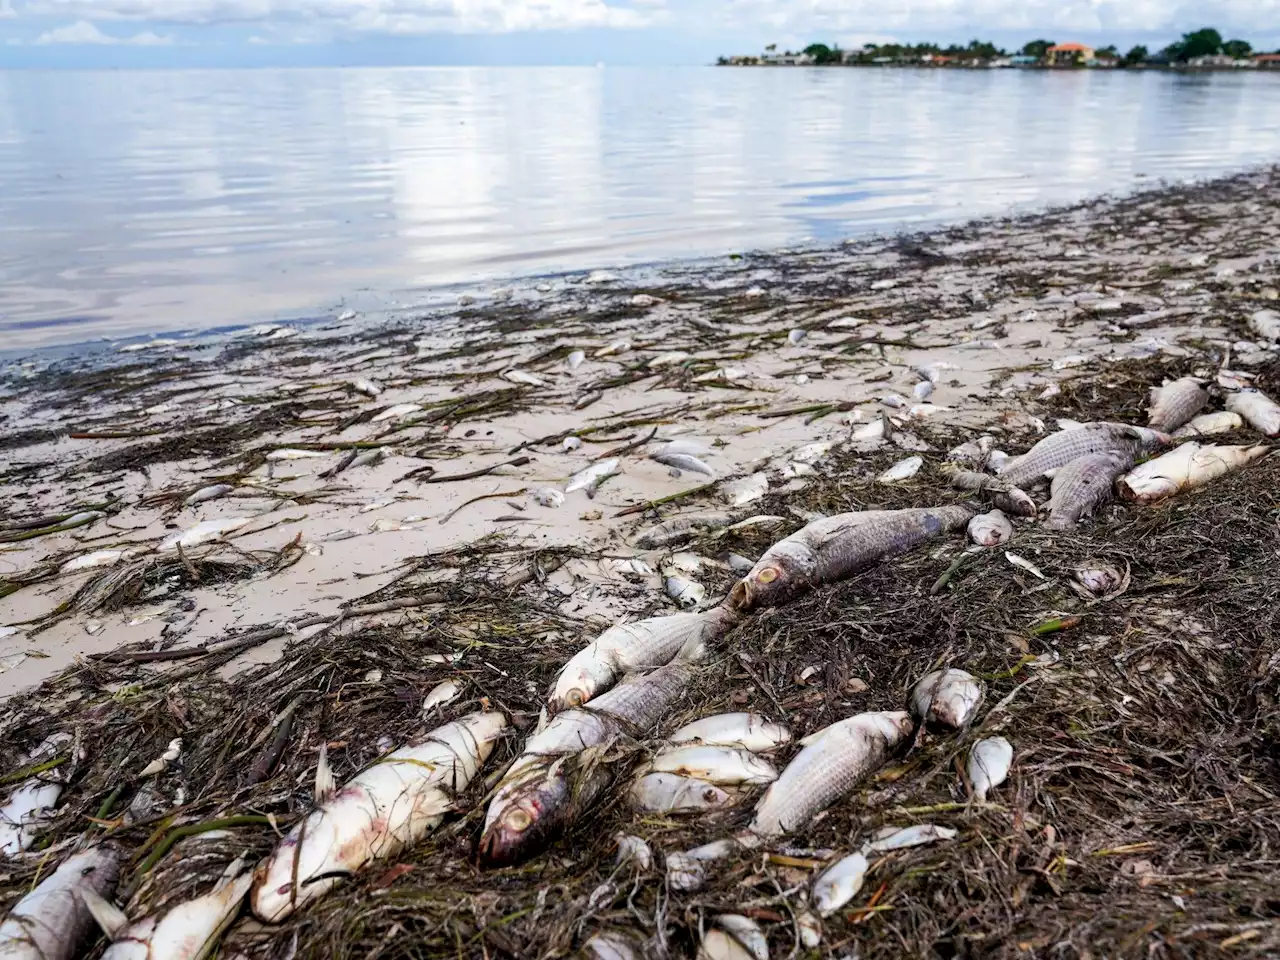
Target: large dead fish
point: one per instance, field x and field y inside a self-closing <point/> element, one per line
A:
<point x="1081" y="485"/>
<point x="1000" y="494"/>
<point x="1209" y="424"/>
<point x="836" y="547"/>
<point x="1261" y="412"/>
<point x="1176" y="402"/>
<point x="1185" y="468"/>
<point x="750" y="731"/>
<point x="558" y="774"/>
<point x="1059" y="449"/>
<point x="636" y="646"/>
<point x="389" y="806"/>
<point x="949" y="697"/>
<point x="52" y="921"/>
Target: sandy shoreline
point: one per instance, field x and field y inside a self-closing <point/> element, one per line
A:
<point x="378" y="581"/>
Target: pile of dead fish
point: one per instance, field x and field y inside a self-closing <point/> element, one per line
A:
<point x="615" y="698"/>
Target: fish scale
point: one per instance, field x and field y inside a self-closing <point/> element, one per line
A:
<point x="1059" y="449"/>
<point x="1176" y="402"/>
<point x="1083" y="484"/>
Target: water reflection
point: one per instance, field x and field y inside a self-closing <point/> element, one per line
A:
<point x="176" y="200"/>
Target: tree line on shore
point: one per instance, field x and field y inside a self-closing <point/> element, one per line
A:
<point x="1206" y="42"/>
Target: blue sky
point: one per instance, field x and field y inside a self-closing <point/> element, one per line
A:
<point x="162" y="33"/>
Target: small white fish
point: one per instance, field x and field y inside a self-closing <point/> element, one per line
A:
<point x="949" y="697"/>
<point x="29" y="805"/>
<point x="796" y="335"/>
<point x="742" y="940"/>
<point x="397" y="412"/>
<point x="886" y="284"/>
<point x="682" y="461"/>
<point x="591" y="477"/>
<point x="574" y="360"/>
<point x="1051" y="391"/>
<point x="685" y="592"/>
<point x="1025" y="564"/>
<point x="634" y="851"/>
<point x="1261" y="412"/>
<point x="903" y="470"/>
<point x="672" y="793"/>
<point x="892" y="838"/>
<point x="839" y="883"/>
<point x="922" y="390"/>
<point x="570" y="444"/>
<point x="812" y="452"/>
<point x="875" y="430"/>
<point x="1099" y="579"/>
<point x="684" y="563"/>
<point x="989" y="763"/>
<point x="547" y="496"/>
<point x="208" y="493"/>
<point x="723" y="766"/>
<point x="894" y="401"/>
<point x="933" y="371"/>
<point x="990" y="529"/>
<point x="750" y="731"/>
<point x="668" y="359"/>
<point x="287" y="453"/>
<point x="368" y="387"/>
<point x="1065" y="363"/>
<point x="723" y="373"/>
<point x="923" y="410"/>
<point x="99" y="558"/>
<point x="644" y="300"/>
<point x="810" y="928"/>
<point x="1209" y="424"/>
<point x="618" y="346"/>
<point x="1235" y="379"/>
<point x="524" y="377"/>
<point x="1266" y="324"/>
<point x="745" y="490"/>
<point x="442" y="694"/>
<point x="613" y="945"/>
<point x="997" y="460"/>
<point x="202" y="532"/>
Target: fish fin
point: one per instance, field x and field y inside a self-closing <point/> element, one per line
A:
<point x="109" y="917"/>
<point x="325" y="785"/>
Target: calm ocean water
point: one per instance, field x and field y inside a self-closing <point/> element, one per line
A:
<point x="161" y="201"/>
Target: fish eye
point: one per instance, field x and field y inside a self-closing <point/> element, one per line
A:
<point x="576" y="697"/>
<point x="518" y="820"/>
<point x="767" y="575"/>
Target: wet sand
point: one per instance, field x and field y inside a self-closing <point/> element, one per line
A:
<point x="704" y="352"/>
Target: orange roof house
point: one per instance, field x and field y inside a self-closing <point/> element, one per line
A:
<point x="1066" y="54"/>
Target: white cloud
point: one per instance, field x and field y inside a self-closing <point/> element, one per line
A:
<point x="6" y="10"/>
<point x="83" y="33"/>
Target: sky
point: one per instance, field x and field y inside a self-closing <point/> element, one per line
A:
<point x="237" y="33"/>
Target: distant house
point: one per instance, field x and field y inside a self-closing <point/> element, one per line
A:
<point x="1000" y="62"/>
<point x="1211" y="61"/>
<point x="1024" y="60"/>
<point x="1068" y="54"/>
<point x="1267" y="61"/>
<point x="796" y="60"/>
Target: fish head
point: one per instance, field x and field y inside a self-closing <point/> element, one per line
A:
<point x="781" y="574"/>
<point x="580" y="680"/>
<point x="893" y="725"/>
<point x="524" y="815"/>
<point x="1149" y="439"/>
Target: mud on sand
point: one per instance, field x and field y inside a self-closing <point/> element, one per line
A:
<point x="1141" y="817"/>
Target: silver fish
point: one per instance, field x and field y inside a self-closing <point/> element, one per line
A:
<point x="633" y="850"/>
<point x="389" y="806"/>
<point x="1189" y="466"/>
<point x="682" y="461"/>
<point x="1266" y="324"/>
<point x="830" y="765"/>
<point x="745" y="490"/>
<point x="396" y="412"/>
<point x="950" y="697"/>
<point x="835" y="548"/>
<point x="636" y="646"/>
<point x="673" y="793"/>
<point x="687" y="593"/>
<point x="973" y="453"/>
<point x="903" y="470"/>
<point x="591" y="477"/>
<point x="1059" y="449"/>
<point x="839" y="883"/>
<point x="1081" y="485"/>
<point x="208" y="493"/>
<point x="990" y="529"/>
<point x="1176" y="402"/>
<point x="904" y="838"/>
<point x="1099" y="579"/>
<point x="922" y="390"/>
<point x="796" y="335"/>
<point x="52" y="921"/>
<point x="989" y="762"/>
<point x="555" y="779"/>
<point x="1003" y="496"/>
<point x="680" y="529"/>
<point x="740" y="938"/>
<point x="574" y="360"/>
<point x="613" y="945"/>
<point x="1209" y="424"/>
<point x="1260" y="411"/>
<point x="750" y="731"/>
<point x="369" y="388"/>
<point x="723" y="766"/>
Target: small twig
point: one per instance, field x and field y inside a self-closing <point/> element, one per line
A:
<point x="650" y="504"/>
<point x="627" y="447"/>
<point x="27" y="772"/>
<point x="951" y="571"/>
<point x="484" y="496"/>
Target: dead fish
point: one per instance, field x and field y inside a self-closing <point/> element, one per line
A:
<point x="554" y="779"/>
<point x="997" y="460"/>
<point x="613" y="945"/>
<point x="835" y="548"/>
<point x="387" y="807"/>
<point x="751" y="731"/>
<point x="187" y="931"/>
<point x="673" y="793"/>
<point x="974" y="452"/>
<point x="723" y="373"/>
<point x="524" y="377"/>
<point x="591" y="477"/>
<point x="547" y="496"/>
<point x="999" y="493"/>
<point x="679" y="529"/>
<point x="442" y="694"/>
<point x="1176" y="402"/>
<point x="399" y="411"/>
<point x="574" y="360"/>
<point x="668" y="359"/>
<point x="922" y="390"/>
<point x="1083" y="484"/>
<point x="904" y="838"/>
<point x="369" y="458"/>
<point x="1266" y="324"/>
<point x="682" y="461"/>
<point x="208" y="493"/>
<point x="839" y="883"/>
<point x="51" y="922"/>
<point x="368" y="387"/>
<point x="587" y="400"/>
<point x="949" y="697"/>
<point x="1260" y="411"/>
<point x="1189" y="466"/>
<point x="1059" y="449"/>
<point x="618" y="346"/>
<point x="723" y="766"/>
<point x="745" y="490"/>
<point x="830" y="765"/>
<point x="1209" y="424"/>
<point x="633" y="850"/>
<point x="89" y="561"/>
<point x="903" y="470"/>
<point x="1049" y="392"/>
<point x="630" y="647"/>
<point x="1025" y="564"/>
<point x="989" y="763"/>
<point x="288" y="453"/>
<point x="1099" y="579"/>
<point x="871" y="432"/>
<point x="990" y="529"/>
<point x="894" y="401"/>
<point x="734" y="937"/>
<point x="202" y="532"/>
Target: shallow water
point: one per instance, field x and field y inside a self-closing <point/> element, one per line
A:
<point x="176" y="200"/>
